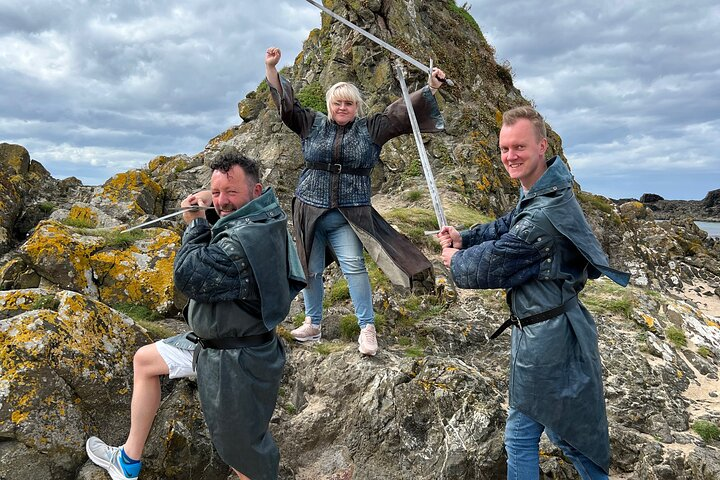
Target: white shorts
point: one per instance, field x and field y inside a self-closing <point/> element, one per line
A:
<point x="178" y="360"/>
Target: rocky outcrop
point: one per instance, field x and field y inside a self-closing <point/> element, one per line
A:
<point x="707" y="209"/>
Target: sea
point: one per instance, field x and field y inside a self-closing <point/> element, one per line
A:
<point x="712" y="228"/>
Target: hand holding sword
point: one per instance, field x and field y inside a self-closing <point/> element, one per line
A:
<point x="194" y="206"/>
<point x="202" y="200"/>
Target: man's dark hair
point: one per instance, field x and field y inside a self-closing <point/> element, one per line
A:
<point x="229" y="157"/>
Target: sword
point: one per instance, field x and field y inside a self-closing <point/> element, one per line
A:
<point x="382" y="43"/>
<point x="434" y="195"/>
<point x="194" y="208"/>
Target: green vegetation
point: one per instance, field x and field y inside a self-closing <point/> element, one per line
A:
<point x="704" y="352"/>
<point x="414" y="222"/>
<point x="465" y="14"/>
<point x="605" y="297"/>
<point x="146" y="318"/>
<point x="338" y="292"/>
<point x="414" y="352"/>
<point x="708" y="431"/>
<point x="413" y="195"/>
<point x="46" y="302"/>
<point x="378" y="280"/>
<point x="298" y="319"/>
<point x="404" y="341"/>
<point x="676" y="336"/>
<point x="46" y="207"/>
<point x="416" y="308"/>
<point x="85" y="223"/>
<point x="326" y="348"/>
<point x="595" y="201"/>
<point x="312" y="96"/>
<point x="465" y="217"/>
<point x="414" y="169"/>
<point x="115" y="238"/>
<point x="349" y="328"/>
<point x="290" y="408"/>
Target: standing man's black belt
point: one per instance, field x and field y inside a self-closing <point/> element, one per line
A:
<point x="532" y="319"/>
<point x="226" y="343"/>
<point x="338" y="168"/>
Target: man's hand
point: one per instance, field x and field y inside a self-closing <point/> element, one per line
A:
<point x="449" y="237"/>
<point x="201" y="199"/>
<point x="447" y="255"/>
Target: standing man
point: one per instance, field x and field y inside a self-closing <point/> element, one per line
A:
<point x="542" y="253"/>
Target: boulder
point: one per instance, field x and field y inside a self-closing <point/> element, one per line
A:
<point x="66" y="370"/>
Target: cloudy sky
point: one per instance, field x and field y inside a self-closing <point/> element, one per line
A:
<point x="92" y="88"/>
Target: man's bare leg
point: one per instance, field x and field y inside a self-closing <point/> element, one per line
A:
<point x="240" y="475"/>
<point x="148" y="365"/>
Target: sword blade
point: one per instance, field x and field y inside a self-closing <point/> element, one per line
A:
<point x="434" y="195"/>
<point x="375" y="39"/>
<point x="169" y="215"/>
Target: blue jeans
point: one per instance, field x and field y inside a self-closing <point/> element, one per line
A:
<point x="522" y="444"/>
<point x="333" y="230"/>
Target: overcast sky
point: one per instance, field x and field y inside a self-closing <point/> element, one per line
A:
<point x="93" y="88"/>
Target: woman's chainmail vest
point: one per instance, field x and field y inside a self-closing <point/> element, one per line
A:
<point x="350" y="146"/>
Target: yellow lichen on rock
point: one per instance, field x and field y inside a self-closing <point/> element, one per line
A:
<point x="83" y="214"/>
<point x="62" y="256"/>
<point x="140" y="274"/>
<point x="128" y="187"/>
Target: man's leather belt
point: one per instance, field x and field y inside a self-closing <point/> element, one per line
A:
<point x="338" y="168"/>
<point x="225" y="343"/>
<point x="533" y="319"/>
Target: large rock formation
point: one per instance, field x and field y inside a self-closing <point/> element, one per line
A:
<point x="432" y="403"/>
<point x="707" y="209"/>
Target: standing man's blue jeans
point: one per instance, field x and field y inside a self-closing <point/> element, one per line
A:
<point x="332" y="229"/>
<point x="522" y="444"/>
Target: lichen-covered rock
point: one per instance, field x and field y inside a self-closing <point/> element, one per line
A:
<point x="141" y="273"/>
<point x="14" y="158"/>
<point x="16" y="274"/>
<point x="250" y="107"/>
<point x="66" y="363"/>
<point x="84" y="215"/>
<point x="61" y="255"/>
<point x="129" y="195"/>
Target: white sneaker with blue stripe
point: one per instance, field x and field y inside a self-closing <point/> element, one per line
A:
<point x="110" y="458"/>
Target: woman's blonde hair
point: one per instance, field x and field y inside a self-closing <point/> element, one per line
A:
<point x="344" y="91"/>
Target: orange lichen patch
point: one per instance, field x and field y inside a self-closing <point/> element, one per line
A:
<point x="649" y="321"/>
<point x="81" y="343"/>
<point x="158" y="161"/>
<point x="710" y="323"/>
<point x="78" y="212"/>
<point x="140" y="274"/>
<point x="128" y="186"/>
<point x="62" y="255"/>
<point x="18" y="416"/>
<point x="94" y="338"/>
<point x="223" y="137"/>
<point x="13" y="302"/>
<point x="498" y="118"/>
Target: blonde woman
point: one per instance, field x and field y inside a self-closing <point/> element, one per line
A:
<point x="331" y="208"/>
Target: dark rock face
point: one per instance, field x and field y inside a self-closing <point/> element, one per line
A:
<point x="650" y="198"/>
<point x="707" y="209"/>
